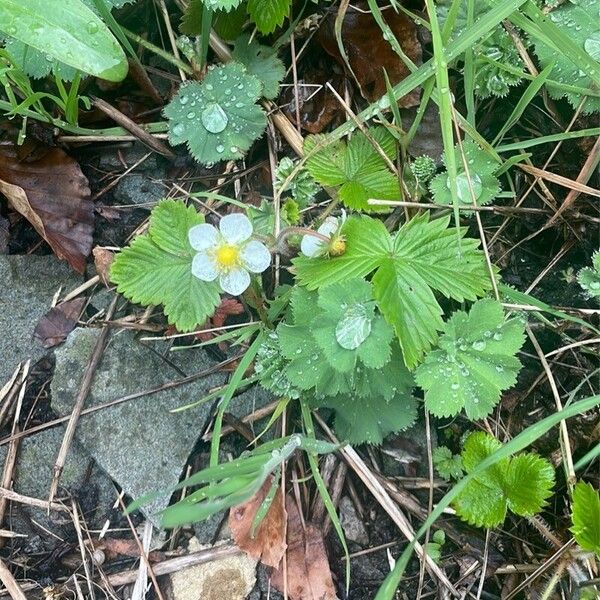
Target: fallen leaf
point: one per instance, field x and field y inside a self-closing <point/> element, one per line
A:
<point x="308" y="572"/>
<point x="54" y="327"/>
<point x="228" y="307"/>
<point x="268" y="543"/>
<point x="369" y="54"/>
<point x="102" y="260"/>
<point x="115" y="547"/>
<point x="52" y="193"/>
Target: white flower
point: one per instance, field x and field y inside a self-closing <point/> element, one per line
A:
<point x="312" y="246"/>
<point x="228" y="253"/>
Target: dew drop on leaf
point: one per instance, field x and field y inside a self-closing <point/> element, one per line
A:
<point x="184" y="99"/>
<point x="354" y="328"/>
<point x="462" y="187"/>
<point x="214" y="118"/>
<point x="479" y="345"/>
<point x="92" y="27"/>
<point x="220" y="148"/>
<point x="592" y="45"/>
<point x="178" y="129"/>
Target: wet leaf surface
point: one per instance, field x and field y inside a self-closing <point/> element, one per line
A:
<point x="50" y="191"/>
<point x="369" y="54"/>
<point x="268" y="543"/>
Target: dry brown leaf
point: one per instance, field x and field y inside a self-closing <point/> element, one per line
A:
<point x="369" y="54"/>
<point x="54" y="327"/>
<point x="52" y="193"/>
<point x="308" y="572"/>
<point x="268" y="544"/>
<point x="103" y="258"/>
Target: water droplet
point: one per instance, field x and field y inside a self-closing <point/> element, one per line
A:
<point x="499" y="368"/>
<point x="92" y="27"/>
<point x="298" y="351"/>
<point x="592" y="45"/>
<point x="191" y="115"/>
<point x="208" y="86"/>
<point x="463" y="189"/>
<point x="240" y="86"/>
<point x="220" y="148"/>
<point x="177" y="129"/>
<point x="455" y="386"/>
<point x="497" y="336"/>
<point x="184" y="99"/>
<point x="239" y="104"/>
<point x="479" y="345"/>
<point x="595" y="285"/>
<point x="214" y="118"/>
<point x="234" y="149"/>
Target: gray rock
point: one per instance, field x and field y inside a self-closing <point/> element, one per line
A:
<point x="139" y="190"/>
<point x="140" y="443"/>
<point x="28" y="286"/>
<point x="352" y="525"/>
<point x="112" y="160"/>
<point x="81" y="478"/>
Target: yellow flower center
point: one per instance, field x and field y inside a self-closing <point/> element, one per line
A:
<point x="227" y="256"/>
<point x="337" y="246"/>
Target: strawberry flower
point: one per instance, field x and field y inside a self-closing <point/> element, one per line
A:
<point x="228" y="253"/>
<point x="335" y="245"/>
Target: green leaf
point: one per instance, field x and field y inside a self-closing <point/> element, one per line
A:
<point x="68" y="31"/>
<point x="579" y="23"/>
<point x="589" y="277"/>
<point x="356" y="167"/>
<point x="268" y="14"/>
<point x="262" y="62"/>
<point x="586" y="517"/>
<point x="302" y="187"/>
<point x="156" y="268"/>
<point x="218" y="118"/>
<point x="474" y="363"/>
<point x="448" y="465"/>
<point x="225" y="5"/>
<point x="371" y="419"/>
<point x="421" y="257"/>
<point x="483" y="183"/>
<point x="521" y="483"/>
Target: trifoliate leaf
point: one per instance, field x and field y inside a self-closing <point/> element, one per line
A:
<point x="483" y="183"/>
<point x="218" y="118"/>
<point x="421" y="257"/>
<point x="302" y="186"/>
<point x="356" y="167"/>
<point x="262" y="62"/>
<point x="268" y="14"/>
<point x="521" y="483"/>
<point x="448" y="465"/>
<point x="579" y="22"/>
<point x="156" y="268"/>
<point x="474" y="363"/>
<point x="585" y="516"/>
<point x="370" y="419"/>
<point x="589" y="277"/>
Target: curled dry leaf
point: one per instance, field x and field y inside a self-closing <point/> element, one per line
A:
<point x="369" y="54"/>
<point x="102" y="260"/>
<point x="268" y="543"/>
<point x="54" y="327"/>
<point x="52" y="193"/>
<point x="308" y="572"/>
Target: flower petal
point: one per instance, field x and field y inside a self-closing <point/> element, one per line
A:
<point x="235" y="281"/>
<point x="235" y="228"/>
<point x="311" y="246"/>
<point x="204" y="267"/>
<point x="329" y="227"/>
<point x="255" y="256"/>
<point x="203" y="236"/>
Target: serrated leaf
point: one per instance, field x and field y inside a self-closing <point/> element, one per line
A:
<point x="268" y="14"/>
<point x="371" y="419"/>
<point x="448" y="465"/>
<point x="423" y="256"/>
<point x="225" y="5"/>
<point x="262" y="62"/>
<point x="156" y="268"/>
<point x="589" y="277"/>
<point x="356" y="167"/>
<point x="218" y="118"/>
<point x="579" y="22"/>
<point x="36" y="64"/>
<point x="86" y="42"/>
<point x="521" y="483"/>
<point x="586" y="517"/>
<point x="474" y="363"/>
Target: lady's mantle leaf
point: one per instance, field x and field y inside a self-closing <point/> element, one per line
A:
<point x="157" y="268"/>
<point x="521" y="483"/>
<point x="218" y="118"/>
<point x="262" y="62"/>
<point x="586" y="517"/>
<point x="423" y="256"/>
<point x="356" y="167"/>
<point x="268" y="14"/>
<point x="474" y="363"/>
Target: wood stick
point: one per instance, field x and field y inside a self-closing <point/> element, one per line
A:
<point x="84" y="390"/>
<point x="10" y="583"/>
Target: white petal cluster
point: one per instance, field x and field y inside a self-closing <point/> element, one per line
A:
<point x="312" y="246"/>
<point x="228" y="253"/>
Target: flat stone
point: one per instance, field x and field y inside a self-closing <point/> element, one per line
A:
<point x="28" y="286"/>
<point x="140" y="443"/>
<point x="230" y="578"/>
<point x="140" y="190"/>
<point x="81" y="479"/>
